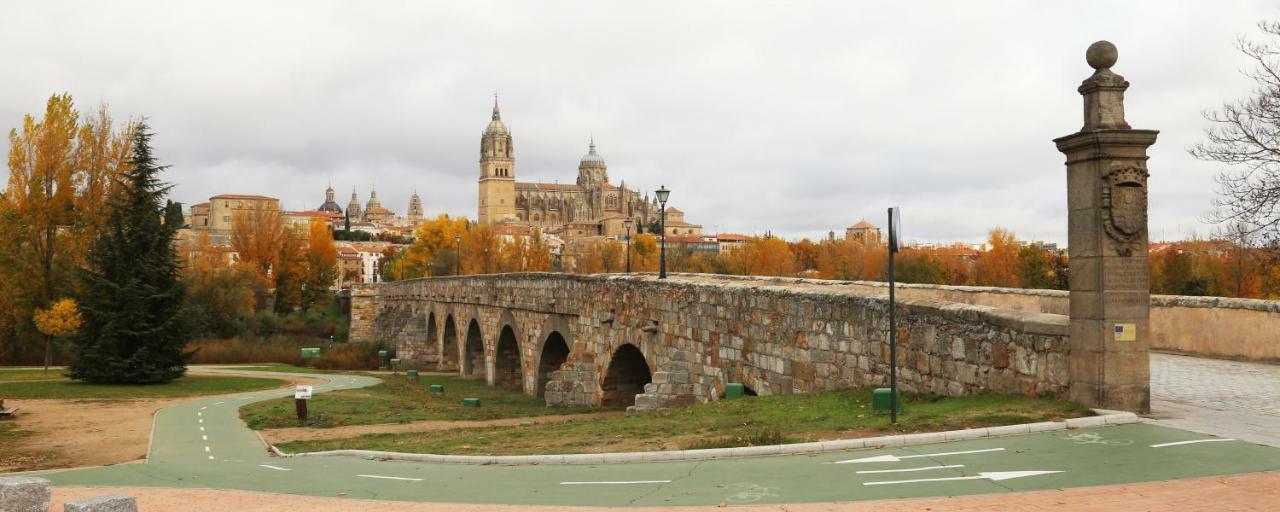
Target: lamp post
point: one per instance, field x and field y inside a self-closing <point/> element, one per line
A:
<point x="662" y="194"/>
<point x="457" y="267"/>
<point x="628" y="223"/>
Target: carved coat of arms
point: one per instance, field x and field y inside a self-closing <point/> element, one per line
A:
<point x="1124" y="207"/>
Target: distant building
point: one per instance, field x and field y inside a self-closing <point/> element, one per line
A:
<point x="415" y="209"/>
<point x="329" y="204"/>
<point x="863" y="232"/>
<point x="217" y="215"/>
<point x="590" y="207"/>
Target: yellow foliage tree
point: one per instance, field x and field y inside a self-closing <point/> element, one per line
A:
<point x="321" y="264"/>
<point x="59" y="319"/>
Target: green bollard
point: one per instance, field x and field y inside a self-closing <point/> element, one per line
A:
<point x="734" y="390"/>
<point x="881" y="401"/>
<point x="412" y="375"/>
<point x="395" y="365"/>
<point x="471" y="402"/>
<point x="437" y="388"/>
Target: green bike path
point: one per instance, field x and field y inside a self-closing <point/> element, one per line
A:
<point x="204" y="444"/>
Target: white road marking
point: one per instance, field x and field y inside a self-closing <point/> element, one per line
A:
<point x="210" y="457"/>
<point x="219" y="403"/>
<point x="993" y="476"/>
<point x="277" y="468"/>
<point x="619" y="482"/>
<point x="205" y="407"/>
<point x="200" y="421"/>
<point x="908" y="470"/>
<point x="392" y="478"/>
<point x="199" y="414"/>
<point x="895" y="458"/>
<point x="202" y="429"/>
<point x="206" y="449"/>
<point x="1179" y="443"/>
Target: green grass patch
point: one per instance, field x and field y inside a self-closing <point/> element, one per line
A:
<point x="21" y="374"/>
<point x="748" y="421"/>
<point x="396" y="400"/>
<point x="283" y="368"/>
<point x="192" y="385"/>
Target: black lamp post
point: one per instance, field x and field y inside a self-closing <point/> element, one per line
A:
<point x="457" y="242"/>
<point x="628" y="223"/>
<point x="662" y="194"/>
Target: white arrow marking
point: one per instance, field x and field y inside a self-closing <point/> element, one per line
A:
<point x="895" y="458"/>
<point x="908" y="470"/>
<point x="277" y="468"/>
<point x="619" y="482"/>
<point x="993" y="476"/>
<point x="205" y="407"/>
<point x="392" y="478"/>
<point x="1179" y="443"/>
<point x="219" y="403"/>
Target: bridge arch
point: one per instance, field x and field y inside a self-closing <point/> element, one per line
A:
<point x="449" y="348"/>
<point x="473" y="352"/>
<point x="625" y="376"/>
<point x="507" y="368"/>
<point x="555" y="346"/>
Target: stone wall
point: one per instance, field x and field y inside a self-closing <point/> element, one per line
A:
<point x="1208" y="326"/>
<point x="699" y="332"/>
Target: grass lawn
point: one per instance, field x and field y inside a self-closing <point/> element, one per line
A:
<point x="185" y="386"/>
<point x="21" y="374"/>
<point x="747" y="421"/>
<point x="286" y="368"/>
<point x="396" y="400"/>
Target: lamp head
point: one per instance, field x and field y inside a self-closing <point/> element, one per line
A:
<point x="662" y="194"/>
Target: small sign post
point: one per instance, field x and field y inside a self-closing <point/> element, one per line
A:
<point x="300" y="396"/>
<point x="894" y="218"/>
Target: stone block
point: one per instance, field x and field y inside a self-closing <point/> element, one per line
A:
<point x="105" y="503"/>
<point x="24" y="494"/>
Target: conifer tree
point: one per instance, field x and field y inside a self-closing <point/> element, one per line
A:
<point x="132" y="330"/>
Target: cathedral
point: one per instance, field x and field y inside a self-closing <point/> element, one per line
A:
<point x="589" y="207"/>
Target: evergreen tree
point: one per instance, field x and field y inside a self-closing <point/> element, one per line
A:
<point x="132" y="302"/>
<point x="173" y="215"/>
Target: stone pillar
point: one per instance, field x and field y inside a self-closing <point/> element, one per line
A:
<point x="364" y="311"/>
<point x="1107" y="238"/>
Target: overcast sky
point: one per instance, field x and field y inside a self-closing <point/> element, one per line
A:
<point x="794" y="117"/>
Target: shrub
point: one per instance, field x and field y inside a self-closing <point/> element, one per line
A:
<point x="349" y="356"/>
<point x="236" y="351"/>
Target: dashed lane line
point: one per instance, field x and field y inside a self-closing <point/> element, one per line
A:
<point x="392" y="478"/>
<point x="1194" y="441"/>
<point x="277" y="468"/>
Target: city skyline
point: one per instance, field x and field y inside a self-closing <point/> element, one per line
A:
<point x="847" y="121"/>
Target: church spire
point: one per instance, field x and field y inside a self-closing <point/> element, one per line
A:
<point x="497" y="116"/>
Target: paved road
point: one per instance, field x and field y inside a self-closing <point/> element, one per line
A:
<point x="204" y="444"/>
<point x="1228" y="398"/>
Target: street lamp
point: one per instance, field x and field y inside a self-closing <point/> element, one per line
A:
<point x="628" y="224"/>
<point x="662" y="194"/>
<point x="457" y="242"/>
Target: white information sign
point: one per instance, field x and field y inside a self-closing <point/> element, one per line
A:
<point x="302" y="393"/>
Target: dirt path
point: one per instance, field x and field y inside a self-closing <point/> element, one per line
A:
<point x="76" y="433"/>
<point x="284" y="435"/>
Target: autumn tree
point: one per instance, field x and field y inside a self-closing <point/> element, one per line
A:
<point x="63" y="171"/>
<point x="998" y="265"/>
<point x="59" y="319"/>
<point x="289" y="272"/>
<point x="132" y="302"/>
<point x="321" y="265"/>
<point x="762" y="256"/>
<point x="257" y="236"/>
<point x="1035" y="268"/>
<point x="433" y="251"/>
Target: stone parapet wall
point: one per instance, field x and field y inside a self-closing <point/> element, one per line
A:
<point x="700" y="332"/>
<point x="1208" y="326"/>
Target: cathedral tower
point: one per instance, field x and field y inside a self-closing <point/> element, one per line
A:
<point x="497" y="172"/>
<point x="591" y="169"/>
<point x="415" y="208"/>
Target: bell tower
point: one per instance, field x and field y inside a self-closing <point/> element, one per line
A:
<point x="497" y="172"/>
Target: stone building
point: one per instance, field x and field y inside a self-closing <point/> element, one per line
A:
<point x="354" y="212"/>
<point x="415" y="209"/>
<point x="329" y="204"/>
<point x="218" y="213"/>
<point x="374" y="211"/>
<point x="591" y="206"/>
<point x="863" y="232"/>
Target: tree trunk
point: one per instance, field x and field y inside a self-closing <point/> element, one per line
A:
<point x="48" y="353"/>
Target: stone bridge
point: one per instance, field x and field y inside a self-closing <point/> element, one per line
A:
<point x="622" y="340"/>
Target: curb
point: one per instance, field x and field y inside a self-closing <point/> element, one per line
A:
<point x="1109" y="418"/>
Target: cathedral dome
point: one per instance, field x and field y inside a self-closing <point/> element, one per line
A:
<point x="496" y="126"/>
<point x="592" y="158"/>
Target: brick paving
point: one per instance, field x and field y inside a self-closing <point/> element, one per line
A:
<point x="1213" y="396"/>
<point x="1250" y="492"/>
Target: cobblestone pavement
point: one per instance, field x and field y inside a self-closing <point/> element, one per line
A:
<point x="1213" y="396"/>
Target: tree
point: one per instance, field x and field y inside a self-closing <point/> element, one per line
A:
<point x="63" y="172"/>
<point x="59" y="319"/>
<point x="132" y="301"/>
<point x="321" y="265"/>
<point x="173" y="215"/>
<point x="998" y="266"/>
<point x="1245" y="136"/>
<point x="257" y="235"/>
<point x="289" y="271"/>
<point x="1035" y="268"/>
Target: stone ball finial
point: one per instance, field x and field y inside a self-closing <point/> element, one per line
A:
<point x="1101" y="55"/>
